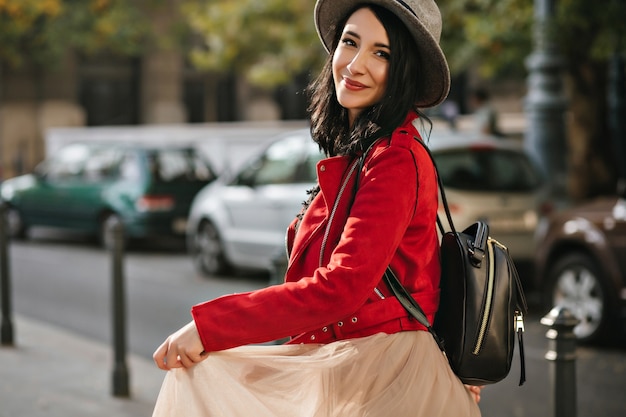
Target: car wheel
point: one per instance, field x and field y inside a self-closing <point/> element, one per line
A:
<point x="575" y="283"/>
<point x="16" y="228"/>
<point x="107" y="224"/>
<point x="208" y="251"/>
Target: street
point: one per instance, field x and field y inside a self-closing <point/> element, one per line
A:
<point x="67" y="282"/>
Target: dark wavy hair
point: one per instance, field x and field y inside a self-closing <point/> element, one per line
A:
<point x="329" y="120"/>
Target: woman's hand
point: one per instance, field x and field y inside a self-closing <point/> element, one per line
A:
<point x="475" y="391"/>
<point x="182" y="349"/>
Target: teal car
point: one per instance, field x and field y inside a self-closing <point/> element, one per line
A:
<point x="86" y="187"/>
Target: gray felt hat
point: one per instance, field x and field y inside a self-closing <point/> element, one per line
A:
<point x="422" y="18"/>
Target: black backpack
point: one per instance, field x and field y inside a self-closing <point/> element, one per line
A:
<point x="482" y="303"/>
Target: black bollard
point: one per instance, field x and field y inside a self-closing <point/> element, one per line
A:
<point x="6" y="325"/>
<point x="562" y="355"/>
<point x="120" y="370"/>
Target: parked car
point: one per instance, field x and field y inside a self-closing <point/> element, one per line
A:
<point x="581" y="265"/>
<point x="88" y="186"/>
<point x="494" y="180"/>
<point x="240" y="220"/>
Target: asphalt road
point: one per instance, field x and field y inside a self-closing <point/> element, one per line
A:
<point x="67" y="282"/>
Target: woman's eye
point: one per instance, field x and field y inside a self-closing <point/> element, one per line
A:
<point x="348" y="41"/>
<point x="383" y="54"/>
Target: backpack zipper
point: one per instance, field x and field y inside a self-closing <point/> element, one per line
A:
<point x="488" y="299"/>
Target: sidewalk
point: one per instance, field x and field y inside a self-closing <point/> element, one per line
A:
<point x="54" y="373"/>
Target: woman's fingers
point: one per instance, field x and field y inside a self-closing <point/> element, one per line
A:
<point x="475" y="391"/>
<point x="181" y="349"/>
<point x="159" y="356"/>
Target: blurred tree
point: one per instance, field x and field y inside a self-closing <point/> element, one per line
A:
<point x="496" y="37"/>
<point x="38" y="32"/>
<point x="269" y="42"/>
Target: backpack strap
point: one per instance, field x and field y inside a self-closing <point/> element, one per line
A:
<point x="409" y="303"/>
<point x="392" y="281"/>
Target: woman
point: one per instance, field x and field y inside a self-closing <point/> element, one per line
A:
<point x="354" y="350"/>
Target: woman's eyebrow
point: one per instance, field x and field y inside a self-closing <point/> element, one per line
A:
<point x="356" y="35"/>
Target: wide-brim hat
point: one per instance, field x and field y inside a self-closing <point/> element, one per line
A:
<point x="423" y="20"/>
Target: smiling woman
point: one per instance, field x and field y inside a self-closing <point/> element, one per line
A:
<point x="353" y="349"/>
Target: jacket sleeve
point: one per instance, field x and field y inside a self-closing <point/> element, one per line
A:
<point x="381" y="213"/>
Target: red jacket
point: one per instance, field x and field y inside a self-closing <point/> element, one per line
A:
<point x="391" y="221"/>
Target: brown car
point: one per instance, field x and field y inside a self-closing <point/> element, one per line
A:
<point x="581" y="264"/>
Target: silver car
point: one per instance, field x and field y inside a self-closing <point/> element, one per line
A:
<point x="240" y="220"/>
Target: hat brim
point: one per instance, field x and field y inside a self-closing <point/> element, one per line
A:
<point x="435" y="74"/>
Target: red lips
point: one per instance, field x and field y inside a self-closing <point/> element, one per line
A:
<point x="353" y="85"/>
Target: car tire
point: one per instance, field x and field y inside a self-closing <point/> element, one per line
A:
<point x="575" y="282"/>
<point x="208" y="251"/>
<point x="16" y="228"/>
<point x="105" y="235"/>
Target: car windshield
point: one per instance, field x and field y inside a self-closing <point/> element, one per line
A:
<point x="170" y="165"/>
<point x="487" y="169"/>
<point x="291" y="160"/>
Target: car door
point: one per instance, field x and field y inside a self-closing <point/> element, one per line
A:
<point x="49" y="201"/>
<point x="615" y="229"/>
<point x="88" y="193"/>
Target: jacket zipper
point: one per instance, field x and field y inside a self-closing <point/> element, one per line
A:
<point x="488" y="299"/>
<point x="334" y="210"/>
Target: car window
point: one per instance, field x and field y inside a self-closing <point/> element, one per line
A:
<point x="102" y="164"/>
<point x="170" y="165"/>
<point x="281" y="163"/>
<point x="487" y="169"/>
<point x="130" y="167"/>
<point x="67" y="163"/>
<point x="307" y="171"/>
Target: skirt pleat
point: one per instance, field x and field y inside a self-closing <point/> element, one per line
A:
<point x="398" y="375"/>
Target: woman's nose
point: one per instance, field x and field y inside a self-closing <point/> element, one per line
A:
<point x="357" y="64"/>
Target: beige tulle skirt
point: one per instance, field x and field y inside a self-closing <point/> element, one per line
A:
<point x="403" y="374"/>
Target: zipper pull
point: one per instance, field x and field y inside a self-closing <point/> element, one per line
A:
<point x="519" y="321"/>
<point x="379" y="293"/>
<point x="519" y="328"/>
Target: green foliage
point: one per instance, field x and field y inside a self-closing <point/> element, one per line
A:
<point x="116" y="26"/>
<point x="269" y="41"/>
<point x="591" y="31"/>
<point x="494" y="35"/>
<point x="497" y="35"/>
<point x="37" y="32"/>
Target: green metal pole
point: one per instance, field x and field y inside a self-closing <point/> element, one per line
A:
<point x="545" y="103"/>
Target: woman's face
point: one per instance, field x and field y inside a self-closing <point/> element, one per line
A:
<point x="361" y="63"/>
